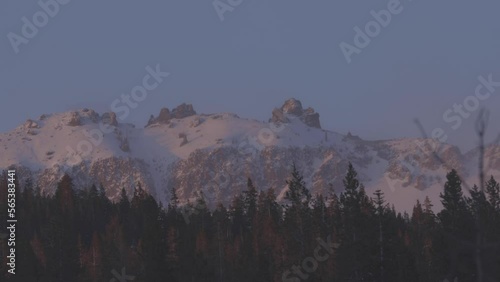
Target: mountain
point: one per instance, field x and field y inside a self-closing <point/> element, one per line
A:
<point x="215" y="153"/>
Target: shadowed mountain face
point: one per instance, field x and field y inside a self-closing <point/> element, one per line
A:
<point x="216" y="153"/>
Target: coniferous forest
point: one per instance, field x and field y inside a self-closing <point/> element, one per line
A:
<point x="78" y="234"/>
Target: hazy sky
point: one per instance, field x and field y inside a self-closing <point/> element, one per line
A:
<point x="426" y="59"/>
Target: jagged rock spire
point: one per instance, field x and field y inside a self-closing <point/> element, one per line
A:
<point x="182" y="111"/>
<point x="293" y="107"/>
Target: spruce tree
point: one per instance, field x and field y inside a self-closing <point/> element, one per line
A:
<point x="455" y="213"/>
<point x="458" y="227"/>
<point x="493" y="191"/>
<point x="359" y="248"/>
<point x="250" y="201"/>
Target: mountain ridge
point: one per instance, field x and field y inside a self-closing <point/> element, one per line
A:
<point x="216" y="153"/>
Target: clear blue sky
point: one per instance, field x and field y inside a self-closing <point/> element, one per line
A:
<point x="427" y="59"/>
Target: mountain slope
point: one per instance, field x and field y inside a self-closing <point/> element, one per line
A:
<point x="216" y="153"/>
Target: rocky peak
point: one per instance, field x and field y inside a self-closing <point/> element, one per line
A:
<point x="30" y="124"/>
<point x="181" y="111"/>
<point x="293" y="107"/>
<point x="77" y="118"/>
<point x="74" y="119"/>
<point x="89" y="114"/>
<point x="164" y="116"/>
<point x="109" y="118"/>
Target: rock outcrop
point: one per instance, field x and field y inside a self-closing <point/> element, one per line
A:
<point x="74" y="119"/>
<point x="79" y="117"/>
<point x="311" y="118"/>
<point x="109" y="118"/>
<point x="30" y="124"/>
<point x="182" y="111"/>
<point x="293" y="108"/>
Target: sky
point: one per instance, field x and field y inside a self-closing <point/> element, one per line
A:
<point x="249" y="56"/>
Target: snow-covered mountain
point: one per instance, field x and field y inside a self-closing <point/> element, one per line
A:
<point x="216" y="153"/>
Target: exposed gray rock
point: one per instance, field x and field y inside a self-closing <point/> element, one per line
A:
<point x="279" y="117"/>
<point x="292" y="106"/>
<point x="74" y="119"/>
<point x="164" y="116"/>
<point x="109" y="118"/>
<point x="90" y="114"/>
<point x="311" y="119"/>
<point x="183" y="110"/>
<point x="30" y="124"/>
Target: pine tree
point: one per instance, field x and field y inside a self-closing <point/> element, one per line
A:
<point x="78" y="235"/>
<point x="458" y="226"/>
<point x="237" y="216"/>
<point x="297" y="212"/>
<point x="173" y="204"/>
<point x="487" y="207"/>
<point x="319" y="217"/>
<point x="381" y="207"/>
<point x="297" y="194"/>
<point x="359" y="247"/>
<point x="480" y="206"/>
<point x="124" y="204"/>
<point x="335" y="216"/>
<point x="64" y="253"/>
<point x="455" y="213"/>
<point x="65" y="195"/>
<point x="493" y="191"/>
<point x="95" y="259"/>
<point x="428" y="207"/>
<point x="250" y="200"/>
<point x="350" y="197"/>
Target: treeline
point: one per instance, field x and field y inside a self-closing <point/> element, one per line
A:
<point x="77" y="234"/>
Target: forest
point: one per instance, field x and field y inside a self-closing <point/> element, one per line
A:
<point x="78" y="234"/>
